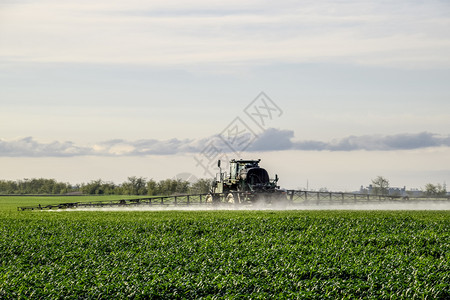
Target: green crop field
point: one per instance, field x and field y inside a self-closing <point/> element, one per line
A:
<point x="222" y="254"/>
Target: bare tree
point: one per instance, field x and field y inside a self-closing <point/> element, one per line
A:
<point x="380" y="186"/>
<point x="436" y="190"/>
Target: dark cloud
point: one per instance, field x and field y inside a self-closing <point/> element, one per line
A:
<point x="413" y="141"/>
<point x="377" y="142"/>
<point x="271" y="140"/>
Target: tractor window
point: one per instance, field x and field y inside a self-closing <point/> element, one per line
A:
<point x="233" y="170"/>
<point x="257" y="175"/>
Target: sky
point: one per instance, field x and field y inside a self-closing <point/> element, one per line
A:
<point x="328" y="94"/>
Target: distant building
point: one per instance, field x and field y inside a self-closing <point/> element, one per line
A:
<point x="415" y="193"/>
<point x="393" y="191"/>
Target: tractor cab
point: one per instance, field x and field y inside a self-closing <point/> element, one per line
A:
<point x="239" y="168"/>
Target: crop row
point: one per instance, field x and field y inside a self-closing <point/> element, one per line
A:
<point x="225" y="254"/>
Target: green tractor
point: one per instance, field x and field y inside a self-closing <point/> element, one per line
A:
<point x="246" y="182"/>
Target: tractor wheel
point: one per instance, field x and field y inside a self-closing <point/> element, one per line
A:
<point x="232" y="198"/>
<point x="211" y="198"/>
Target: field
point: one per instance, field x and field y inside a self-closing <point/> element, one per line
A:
<point x="223" y="254"/>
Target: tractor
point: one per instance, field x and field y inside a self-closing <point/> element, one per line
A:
<point x="246" y="182"/>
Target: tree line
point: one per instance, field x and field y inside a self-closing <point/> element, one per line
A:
<point x="380" y="186"/>
<point x="35" y="186"/>
<point x="141" y="186"/>
<point x="133" y="186"/>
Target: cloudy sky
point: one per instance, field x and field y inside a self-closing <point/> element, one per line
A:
<point x="327" y="93"/>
